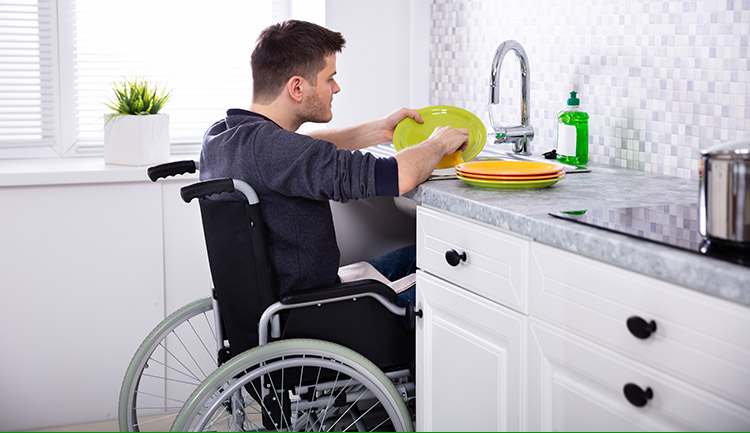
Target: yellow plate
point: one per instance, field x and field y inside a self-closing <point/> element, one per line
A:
<point x="494" y="184"/>
<point x="509" y="178"/>
<point x="408" y="132"/>
<point x="508" y="168"/>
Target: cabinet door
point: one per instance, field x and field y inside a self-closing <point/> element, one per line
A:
<point x="575" y="385"/>
<point x="469" y="361"/>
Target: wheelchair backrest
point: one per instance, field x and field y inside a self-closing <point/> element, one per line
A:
<point x="241" y="270"/>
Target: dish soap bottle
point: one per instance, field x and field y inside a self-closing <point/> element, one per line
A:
<point x="573" y="133"/>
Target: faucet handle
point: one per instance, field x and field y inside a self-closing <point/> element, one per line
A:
<point x="513" y="134"/>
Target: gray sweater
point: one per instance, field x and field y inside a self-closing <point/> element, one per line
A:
<point x="294" y="176"/>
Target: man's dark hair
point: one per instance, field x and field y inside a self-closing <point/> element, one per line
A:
<point x="287" y="49"/>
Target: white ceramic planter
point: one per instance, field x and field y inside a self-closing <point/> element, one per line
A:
<point x="136" y="140"/>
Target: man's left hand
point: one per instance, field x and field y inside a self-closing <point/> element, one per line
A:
<point x="389" y="122"/>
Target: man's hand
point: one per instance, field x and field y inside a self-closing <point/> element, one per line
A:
<point x="416" y="163"/>
<point x="449" y="139"/>
<point x="388" y="123"/>
<point x="369" y="133"/>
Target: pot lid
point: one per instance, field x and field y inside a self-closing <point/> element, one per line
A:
<point x="739" y="149"/>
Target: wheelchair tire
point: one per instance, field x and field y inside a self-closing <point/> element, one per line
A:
<point x="296" y="384"/>
<point x="178" y="354"/>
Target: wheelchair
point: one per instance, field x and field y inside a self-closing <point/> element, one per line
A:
<point x="246" y="359"/>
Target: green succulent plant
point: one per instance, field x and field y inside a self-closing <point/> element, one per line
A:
<point x="137" y="97"/>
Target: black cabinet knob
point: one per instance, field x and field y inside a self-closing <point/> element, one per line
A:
<point x="411" y="314"/>
<point x="637" y="396"/>
<point x="640" y="328"/>
<point x="453" y="258"/>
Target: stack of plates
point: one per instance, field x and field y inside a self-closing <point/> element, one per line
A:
<point x="510" y="174"/>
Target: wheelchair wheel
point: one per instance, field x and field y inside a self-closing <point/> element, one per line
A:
<point x="170" y="363"/>
<point x="296" y="385"/>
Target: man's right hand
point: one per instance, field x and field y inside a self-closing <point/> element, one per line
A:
<point x="416" y="163"/>
<point x="448" y="139"/>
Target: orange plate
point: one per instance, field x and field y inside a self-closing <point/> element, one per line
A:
<point x="508" y="168"/>
<point x="510" y="178"/>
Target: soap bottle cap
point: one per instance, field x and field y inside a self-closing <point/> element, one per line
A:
<point x="573" y="100"/>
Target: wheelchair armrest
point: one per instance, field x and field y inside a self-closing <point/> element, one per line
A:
<point x="343" y="290"/>
<point x="171" y="169"/>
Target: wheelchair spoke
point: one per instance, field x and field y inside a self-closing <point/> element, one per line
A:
<point x="314" y="389"/>
<point x="353" y="411"/>
<point x="332" y="400"/>
<point x="181" y="363"/>
<point x="203" y="343"/>
<point x="381" y="423"/>
<point x="279" y="400"/>
<point x="159" y="396"/>
<point x="263" y="405"/>
<point x="346" y="411"/>
<point x="190" y="354"/>
<point x="169" y="367"/>
<point x="152" y="420"/>
<point x="169" y="379"/>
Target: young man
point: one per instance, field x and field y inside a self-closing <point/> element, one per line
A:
<point x="294" y="175"/>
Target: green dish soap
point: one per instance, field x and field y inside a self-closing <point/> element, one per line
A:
<point x="573" y="133"/>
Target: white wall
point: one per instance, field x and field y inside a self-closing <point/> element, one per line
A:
<point x="384" y="65"/>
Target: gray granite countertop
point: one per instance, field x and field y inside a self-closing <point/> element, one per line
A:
<point x="525" y="212"/>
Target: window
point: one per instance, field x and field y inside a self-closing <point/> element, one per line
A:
<point x="58" y="60"/>
<point x="27" y="73"/>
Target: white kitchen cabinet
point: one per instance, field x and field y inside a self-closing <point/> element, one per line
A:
<point x="470" y="358"/>
<point x="470" y="341"/>
<point x="690" y="364"/>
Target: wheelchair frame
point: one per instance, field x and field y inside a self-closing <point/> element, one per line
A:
<point x="231" y="377"/>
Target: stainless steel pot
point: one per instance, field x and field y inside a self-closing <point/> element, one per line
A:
<point x="725" y="192"/>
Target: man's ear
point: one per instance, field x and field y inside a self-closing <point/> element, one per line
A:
<point x="294" y="88"/>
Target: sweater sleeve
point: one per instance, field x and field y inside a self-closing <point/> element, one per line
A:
<point x="300" y="166"/>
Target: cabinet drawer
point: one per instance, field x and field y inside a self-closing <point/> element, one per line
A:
<point x="578" y="386"/>
<point x="702" y="340"/>
<point x="492" y="264"/>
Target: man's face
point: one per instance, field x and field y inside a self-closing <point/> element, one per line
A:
<point x="317" y="103"/>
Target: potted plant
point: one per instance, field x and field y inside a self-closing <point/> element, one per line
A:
<point x="136" y="133"/>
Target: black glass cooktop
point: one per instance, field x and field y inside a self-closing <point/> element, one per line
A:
<point x="675" y="225"/>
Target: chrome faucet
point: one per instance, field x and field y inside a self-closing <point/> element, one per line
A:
<point x="520" y="135"/>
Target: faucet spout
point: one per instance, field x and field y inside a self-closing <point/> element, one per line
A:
<point x="519" y="136"/>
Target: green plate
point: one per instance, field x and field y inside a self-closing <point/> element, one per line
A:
<point x="513" y="184"/>
<point x="408" y="132"/>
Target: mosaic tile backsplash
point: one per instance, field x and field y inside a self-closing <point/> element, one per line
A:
<point x="661" y="80"/>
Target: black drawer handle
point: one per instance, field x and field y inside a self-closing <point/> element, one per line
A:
<point x="637" y="396"/>
<point x="453" y="258"/>
<point x="640" y="328"/>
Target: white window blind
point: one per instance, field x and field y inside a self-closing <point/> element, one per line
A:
<point x="28" y="56"/>
<point x="198" y="50"/>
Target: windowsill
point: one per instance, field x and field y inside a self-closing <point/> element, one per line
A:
<point x="63" y="171"/>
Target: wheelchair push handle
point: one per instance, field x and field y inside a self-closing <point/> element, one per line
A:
<point x="206" y="188"/>
<point x="171" y="169"/>
<point x="217" y="186"/>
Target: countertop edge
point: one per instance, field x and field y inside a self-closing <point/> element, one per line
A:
<point x="703" y="274"/>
